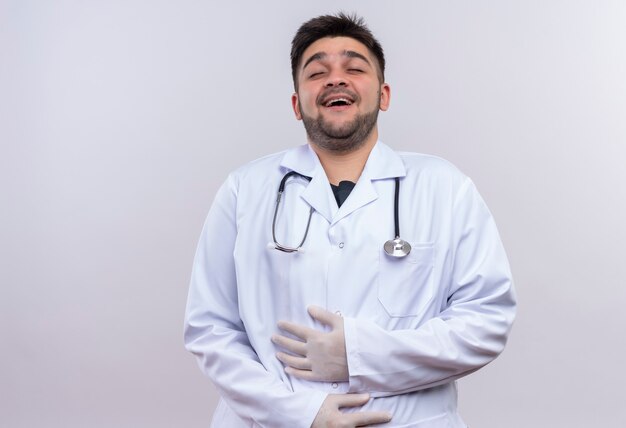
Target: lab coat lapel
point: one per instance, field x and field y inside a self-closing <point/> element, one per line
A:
<point x="317" y="193"/>
<point x="362" y="194"/>
<point x="382" y="163"/>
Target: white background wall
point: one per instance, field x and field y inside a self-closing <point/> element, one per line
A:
<point x="119" y="119"/>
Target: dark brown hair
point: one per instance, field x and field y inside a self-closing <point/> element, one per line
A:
<point x="340" y="25"/>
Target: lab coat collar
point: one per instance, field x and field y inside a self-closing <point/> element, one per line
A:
<point x="318" y="193"/>
<point x="301" y="159"/>
<point x="382" y="163"/>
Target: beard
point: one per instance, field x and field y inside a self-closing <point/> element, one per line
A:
<point x="343" y="138"/>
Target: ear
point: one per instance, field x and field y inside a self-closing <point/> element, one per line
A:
<point x="296" y="106"/>
<point x="385" y="96"/>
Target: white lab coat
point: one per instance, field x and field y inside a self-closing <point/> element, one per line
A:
<point x="412" y="325"/>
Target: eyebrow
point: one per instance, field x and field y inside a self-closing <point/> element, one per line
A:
<point x="321" y="55"/>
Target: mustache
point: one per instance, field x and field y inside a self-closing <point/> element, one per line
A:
<point x="332" y="91"/>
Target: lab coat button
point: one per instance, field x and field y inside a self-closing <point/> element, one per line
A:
<point x="335" y="385"/>
<point x="341" y="245"/>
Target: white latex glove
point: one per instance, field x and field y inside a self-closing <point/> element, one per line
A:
<point x="329" y="414"/>
<point x="317" y="356"/>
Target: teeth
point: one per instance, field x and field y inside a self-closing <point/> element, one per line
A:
<point x="337" y="100"/>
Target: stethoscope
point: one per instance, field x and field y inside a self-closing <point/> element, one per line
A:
<point x="394" y="247"/>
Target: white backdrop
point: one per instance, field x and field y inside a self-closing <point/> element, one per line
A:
<point x="119" y="119"/>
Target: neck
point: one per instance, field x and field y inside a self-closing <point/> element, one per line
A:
<point x="345" y="166"/>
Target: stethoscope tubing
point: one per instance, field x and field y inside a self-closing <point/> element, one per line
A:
<point x="281" y="189"/>
<point x="396" y="203"/>
<point x="395" y="247"/>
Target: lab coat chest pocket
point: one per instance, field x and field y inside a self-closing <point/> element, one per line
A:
<point x="406" y="284"/>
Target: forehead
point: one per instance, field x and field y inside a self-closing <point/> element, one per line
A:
<point x="335" y="46"/>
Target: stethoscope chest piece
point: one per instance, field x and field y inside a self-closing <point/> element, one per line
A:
<point x="397" y="247"/>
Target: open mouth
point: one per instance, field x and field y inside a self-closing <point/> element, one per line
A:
<point x="338" y="102"/>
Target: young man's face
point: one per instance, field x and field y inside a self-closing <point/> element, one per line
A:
<point x="339" y="93"/>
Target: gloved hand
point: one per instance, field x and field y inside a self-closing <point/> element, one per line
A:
<point x="329" y="414"/>
<point x="318" y="356"/>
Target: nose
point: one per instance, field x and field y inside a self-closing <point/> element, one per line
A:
<point x="336" y="79"/>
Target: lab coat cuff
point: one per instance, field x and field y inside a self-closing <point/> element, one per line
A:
<point x="314" y="400"/>
<point x="353" y="358"/>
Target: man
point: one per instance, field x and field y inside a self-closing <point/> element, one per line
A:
<point x="300" y="311"/>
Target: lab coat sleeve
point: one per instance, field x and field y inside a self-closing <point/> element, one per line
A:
<point x="215" y="334"/>
<point x="468" y="333"/>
